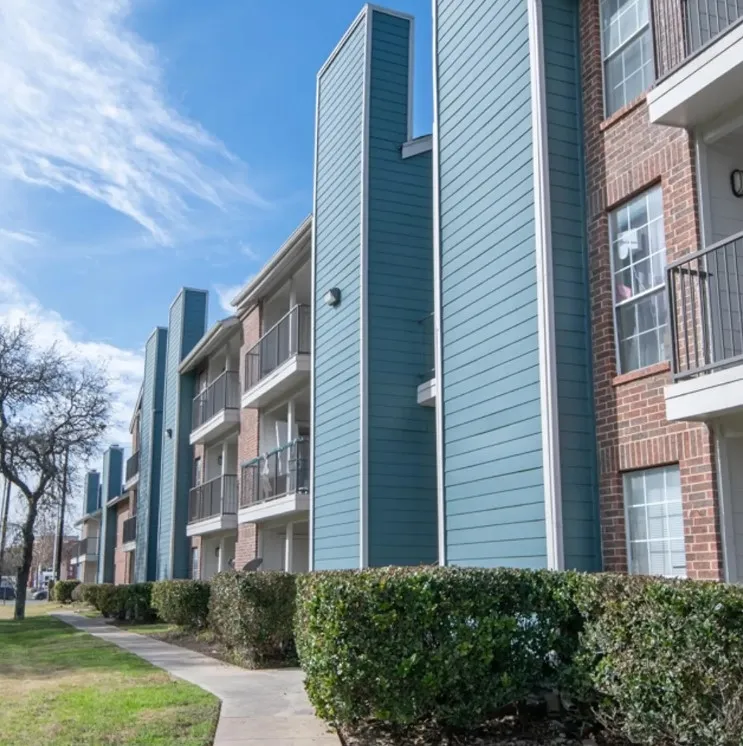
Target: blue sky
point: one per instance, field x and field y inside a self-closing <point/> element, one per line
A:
<point x="150" y="144"/>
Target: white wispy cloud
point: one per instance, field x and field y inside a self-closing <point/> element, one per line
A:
<point x="19" y="236"/>
<point x="227" y="293"/>
<point x="84" y="107"/>
<point x="123" y="367"/>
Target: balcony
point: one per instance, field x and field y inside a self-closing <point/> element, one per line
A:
<point x="87" y="551"/>
<point x="216" y="409"/>
<point x="698" y="60"/>
<point x="132" y="471"/>
<point x="279" y="363"/>
<point x="129" y="538"/>
<point x="705" y="302"/>
<point x="276" y="485"/>
<point x="212" y="506"/>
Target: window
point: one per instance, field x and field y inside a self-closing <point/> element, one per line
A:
<point x="627" y="45"/>
<point x="655" y="523"/>
<point x="638" y="259"/>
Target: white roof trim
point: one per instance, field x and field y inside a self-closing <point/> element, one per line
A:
<point x="207" y="345"/>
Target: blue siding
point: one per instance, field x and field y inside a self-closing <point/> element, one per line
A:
<point x="186" y="325"/>
<point x="92" y="486"/>
<point x="150" y="453"/>
<point x="336" y="352"/>
<point x="494" y="495"/>
<point x="112" y="481"/>
<point x="571" y="295"/>
<point x="402" y="434"/>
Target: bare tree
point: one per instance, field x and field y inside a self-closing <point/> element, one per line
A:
<point x="49" y="407"/>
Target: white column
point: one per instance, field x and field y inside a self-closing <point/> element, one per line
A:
<point x="221" y="559"/>
<point x="289" y="548"/>
<point x="291" y="420"/>
<point x="293" y="320"/>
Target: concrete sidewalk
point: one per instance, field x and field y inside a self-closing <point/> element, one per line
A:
<point x="259" y="708"/>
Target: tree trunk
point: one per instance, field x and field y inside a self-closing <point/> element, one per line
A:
<point x="26" y="559"/>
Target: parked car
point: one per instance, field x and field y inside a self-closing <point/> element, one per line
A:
<point x="41" y="595"/>
<point x="7" y="593"/>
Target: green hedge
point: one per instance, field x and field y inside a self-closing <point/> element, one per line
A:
<point x="182" y="602"/>
<point x="62" y="590"/>
<point x="665" y="661"/>
<point x="253" y="612"/>
<point x="123" y="602"/>
<point x="404" y="645"/>
<point x="657" y="661"/>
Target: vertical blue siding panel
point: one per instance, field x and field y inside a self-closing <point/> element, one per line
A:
<point x="150" y="456"/>
<point x="92" y="487"/>
<point x="571" y="298"/>
<point x="337" y="258"/>
<point x="487" y="231"/>
<point x="402" y="435"/>
<point x="186" y="325"/>
<point x="112" y="481"/>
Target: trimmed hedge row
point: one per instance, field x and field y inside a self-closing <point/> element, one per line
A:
<point x="657" y="661"/>
<point x="253" y="613"/>
<point x="62" y="590"/>
<point x="182" y="602"/>
<point x="123" y="602"/>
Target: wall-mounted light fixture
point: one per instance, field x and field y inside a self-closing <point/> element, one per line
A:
<point x="169" y="432"/>
<point x="332" y="297"/>
<point x="736" y="182"/>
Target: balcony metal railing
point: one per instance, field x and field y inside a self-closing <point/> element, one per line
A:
<point x="222" y="393"/>
<point x="284" y="471"/>
<point x="289" y="336"/>
<point x="681" y="28"/>
<point x="705" y="302"/>
<point x="130" y="529"/>
<point x="213" y="498"/>
<point x="132" y="466"/>
<point x="87" y="546"/>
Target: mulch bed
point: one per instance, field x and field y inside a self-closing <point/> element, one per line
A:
<point x="506" y="731"/>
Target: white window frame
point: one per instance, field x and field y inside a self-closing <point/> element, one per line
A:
<point x="627" y="524"/>
<point x="606" y="55"/>
<point x="615" y="305"/>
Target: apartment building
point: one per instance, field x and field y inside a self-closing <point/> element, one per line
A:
<point x="85" y="557"/>
<point x="516" y="341"/>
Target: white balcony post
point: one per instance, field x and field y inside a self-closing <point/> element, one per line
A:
<point x="289" y="548"/>
<point x="221" y="481"/>
<point x="220" y="558"/>
<point x="293" y="321"/>
<point x="290" y="421"/>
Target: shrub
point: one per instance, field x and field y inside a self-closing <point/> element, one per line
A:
<point x="109" y="600"/>
<point x="62" y="590"/>
<point x="77" y="593"/>
<point x="182" y="602"/>
<point x="123" y="602"/>
<point x="253" y="613"/>
<point x="665" y="659"/>
<point x="89" y="594"/>
<point x="449" y="645"/>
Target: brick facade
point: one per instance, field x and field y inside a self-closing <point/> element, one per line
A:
<point x="248" y="444"/>
<point x="121" y="558"/>
<point x="624" y="156"/>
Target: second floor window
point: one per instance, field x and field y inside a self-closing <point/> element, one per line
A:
<point x="627" y="45"/>
<point x="638" y="259"/>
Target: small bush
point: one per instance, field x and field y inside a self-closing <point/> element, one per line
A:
<point x="62" y="591"/>
<point x="109" y="600"/>
<point x="89" y="594"/>
<point x="252" y="613"/>
<point x="665" y="660"/>
<point x="77" y="593"/>
<point x="182" y="602"/>
<point x="448" y="645"/>
<point x="131" y="603"/>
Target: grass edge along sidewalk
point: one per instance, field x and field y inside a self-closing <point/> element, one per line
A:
<point x="59" y="685"/>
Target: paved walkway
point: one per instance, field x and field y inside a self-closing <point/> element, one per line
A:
<point x="259" y="708"/>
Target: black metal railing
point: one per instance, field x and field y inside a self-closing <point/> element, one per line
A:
<point x="222" y="393"/>
<point x="87" y="546"/>
<point x="213" y="498"/>
<point x="130" y="529"/>
<point x="284" y="471"/>
<point x="705" y="302"/>
<point x="681" y="28"/>
<point x="132" y="466"/>
<point x="290" y="336"/>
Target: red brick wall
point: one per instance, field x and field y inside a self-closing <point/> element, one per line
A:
<point x="624" y="156"/>
<point x="248" y="446"/>
<point x="121" y="564"/>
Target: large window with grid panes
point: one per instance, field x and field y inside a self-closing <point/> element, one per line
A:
<point x="627" y="47"/>
<point x="655" y="522"/>
<point x="638" y="263"/>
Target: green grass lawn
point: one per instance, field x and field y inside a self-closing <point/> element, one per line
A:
<point x="61" y="687"/>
